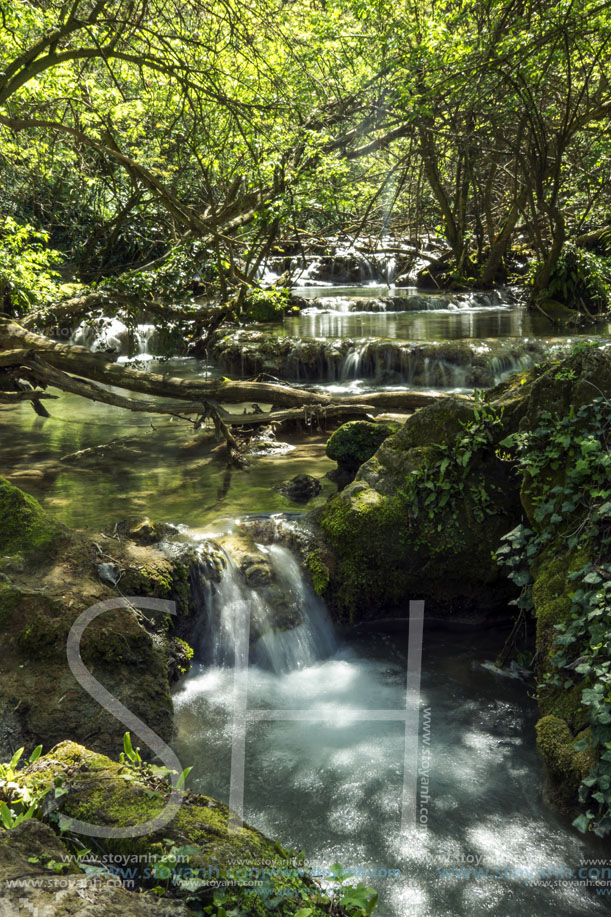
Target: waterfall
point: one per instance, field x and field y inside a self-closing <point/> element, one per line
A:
<point x="114" y="334"/>
<point x="288" y="625"/>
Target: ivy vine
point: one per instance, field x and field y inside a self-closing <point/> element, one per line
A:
<point x="575" y="513"/>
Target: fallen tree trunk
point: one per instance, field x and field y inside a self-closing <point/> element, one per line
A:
<point x="71" y="358"/>
<point x="74" y="369"/>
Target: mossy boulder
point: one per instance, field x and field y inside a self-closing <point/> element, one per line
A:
<point x="384" y="555"/>
<point x="566" y="767"/>
<point x="39" y="875"/>
<point x="392" y="535"/>
<point x="134" y="655"/>
<point x="24" y="526"/>
<point x="354" y="443"/>
<point x="105" y="793"/>
<point x="39" y="687"/>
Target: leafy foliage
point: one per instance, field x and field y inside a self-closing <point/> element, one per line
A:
<point x="572" y="453"/>
<point x="266" y="305"/>
<point x="19" y="800"/>
<point x="27" y="277"/>
<point x="434" y="488"/>
<point x="581" y="280"/>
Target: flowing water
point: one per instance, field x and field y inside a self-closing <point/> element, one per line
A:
<point x="321" y="775"/>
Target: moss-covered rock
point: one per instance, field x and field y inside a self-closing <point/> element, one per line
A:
<point x="566" y="767"/>
<point x="386" y="553"/>
<point x="135" y="655"/>
<point x="354" y="443"/>
<point x="39" y="875"/>
<point x="24" y="527"/>
<point x="394" y="537"/>
<point x="102" y="792"/>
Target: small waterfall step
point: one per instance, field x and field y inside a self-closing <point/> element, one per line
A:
<point x="259" y="597"/>
<point x="415" y="301"/>
<point x="458" y="364"/>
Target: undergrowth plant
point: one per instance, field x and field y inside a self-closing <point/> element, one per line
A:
<point x="20" y="801"/>
<point x="572" y="454"/>
<point x="434" y="489"/>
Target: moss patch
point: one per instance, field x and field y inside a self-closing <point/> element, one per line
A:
<point x="355" y="442"/>
<point x="24" y="527"/>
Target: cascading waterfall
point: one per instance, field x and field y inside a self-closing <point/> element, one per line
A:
<point x="112" y="334"/>
<point x="288" y="625"/>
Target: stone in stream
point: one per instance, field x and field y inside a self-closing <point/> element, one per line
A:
<point x="301" y="488"/>
<point x="143" y="531"/>
<point x="354" y="443"/>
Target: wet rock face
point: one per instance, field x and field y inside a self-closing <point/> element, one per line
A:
<point x="257" y="572"/>
<point x="301" y="488"/>
<point x="41" y="598"/>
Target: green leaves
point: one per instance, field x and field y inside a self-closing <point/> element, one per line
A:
<point x="129" y="753"/>
<point x="574" y="450"/>
<point x="360" y="900"/>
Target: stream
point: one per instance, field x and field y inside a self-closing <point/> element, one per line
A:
<point x="330" y="781"/>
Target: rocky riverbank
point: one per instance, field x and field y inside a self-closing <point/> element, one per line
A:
<point x="426" y="518"/>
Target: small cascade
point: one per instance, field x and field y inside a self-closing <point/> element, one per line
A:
<point x="267" y="598"/>
<point x="461" y="364"/>
<point x="114" y="335"/>
<point x="352" y="365"/>
<point x="143" y="339"/>
<point x="340" y="262"/>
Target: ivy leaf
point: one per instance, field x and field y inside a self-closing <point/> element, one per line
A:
<point x="582" y="823"/>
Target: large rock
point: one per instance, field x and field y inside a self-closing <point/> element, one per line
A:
<point x="49" y="579"/>
<point x="390" y="547"/>
<point x="353" y="444"/>
<point x="24" y="527"/>
<point x="37" y="869"/>
<point x="31" y="853"/>
<point x="416" y="523"/>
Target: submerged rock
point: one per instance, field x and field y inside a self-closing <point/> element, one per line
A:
<point x="301" y="488"/>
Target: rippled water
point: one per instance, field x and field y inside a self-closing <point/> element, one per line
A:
<point x="333" y="785"/>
